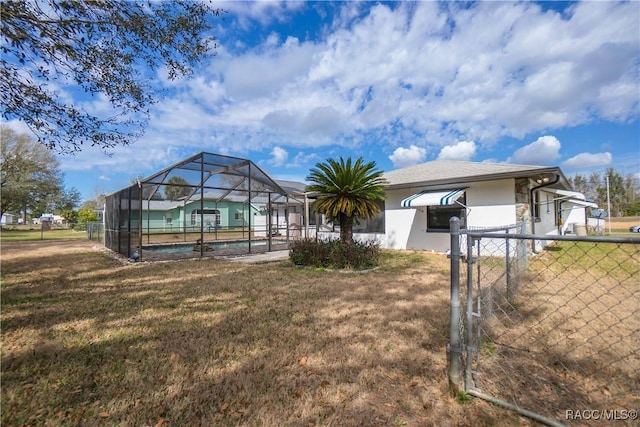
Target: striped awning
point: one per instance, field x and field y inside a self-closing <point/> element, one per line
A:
<point x="432" y="198"/>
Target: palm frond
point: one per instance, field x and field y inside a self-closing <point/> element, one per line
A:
<point x="347" y="188"/>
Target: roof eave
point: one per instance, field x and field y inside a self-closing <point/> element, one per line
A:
<point x="484" y="177"/>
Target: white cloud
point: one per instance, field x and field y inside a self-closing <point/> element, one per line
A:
<point x="279" y="156"/>
<point x="389" y="75"/>
<point x="494" y="69"/>
<point x="279" y="67"/>
<point x="543" y="151"/>
<point x="263" y="12"/>
<point x="403" y="157"/>
<point x="588" y="160"/>
<point x="463" y="150"/>
<point x="280" y="119"/>
<point x="302" y="159"/>
<point x="322" y="119"/>
<point x="16" y="125"/>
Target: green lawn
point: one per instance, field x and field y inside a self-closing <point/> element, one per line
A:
<point x="26" y="235"/>
<point x="95" y="342"/>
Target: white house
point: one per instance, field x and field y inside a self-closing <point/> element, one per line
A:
<point x="421" y="199"/>
<point x="7" y="218"/>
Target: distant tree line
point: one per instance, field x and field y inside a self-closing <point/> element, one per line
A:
<point x="624" y="192"/>
<point x="32" y="183"/>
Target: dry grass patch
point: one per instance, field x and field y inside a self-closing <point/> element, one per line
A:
<point x="89" y="341"/>
<point x="623" y="223"/>
<point x="569" y="338"/>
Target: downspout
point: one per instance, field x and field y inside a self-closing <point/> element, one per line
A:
<point x="533" y="222"/>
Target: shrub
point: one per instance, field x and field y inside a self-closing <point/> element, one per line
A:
<point x="334" y="254"/>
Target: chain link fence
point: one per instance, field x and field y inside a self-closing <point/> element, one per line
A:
<point x="95" y="231"/>
<point x="554" y="333"/>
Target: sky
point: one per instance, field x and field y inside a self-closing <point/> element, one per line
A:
<point x="295" y="83"/>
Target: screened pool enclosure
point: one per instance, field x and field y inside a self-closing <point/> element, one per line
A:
<point x="206" y="205"/>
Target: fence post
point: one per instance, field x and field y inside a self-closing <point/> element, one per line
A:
<point x="468" y="377"/>
<point x="523" y="258"/>
<point x="508" y="267"/>
<point x="454" y="349"/>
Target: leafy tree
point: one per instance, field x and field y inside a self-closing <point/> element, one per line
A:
<point x="617" y="193"/>
<point x="149" y="191"/>
<point x="66" y="203"/>
<point x="631" y="190"/>
<point x="70" y="216"/>
<point x="66" y="200"/>
<point x="87" y="215"/>
<point x="633" y="208"/>
<point x="623" y="192"/>
<point x="96" y="201"/>
<point x="579" y="183"/>
<point x="105" y="48"/>
<point x="595" y="182"/>
<point x="176" y="188"/>
<point x="347" y="191"/>
<point x="31" y="179"/>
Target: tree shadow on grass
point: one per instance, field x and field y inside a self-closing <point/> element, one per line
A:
<point x="214" y="343"/>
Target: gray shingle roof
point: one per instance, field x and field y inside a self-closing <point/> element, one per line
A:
<point x="450" y="171"/>
<point x="292" y="187"/>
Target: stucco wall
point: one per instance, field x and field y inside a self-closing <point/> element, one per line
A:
<point x="490" y="204"/>
<point x="404" y="228"/>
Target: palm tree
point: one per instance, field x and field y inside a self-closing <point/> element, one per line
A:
<point x="176" y="188"/>
<point x="346" y="191"/>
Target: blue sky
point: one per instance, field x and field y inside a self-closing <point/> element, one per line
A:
<point x="294" y="83"/>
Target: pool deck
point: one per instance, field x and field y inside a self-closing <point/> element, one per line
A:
<point x="274" y="256"/>
<point x="259" y="254"/>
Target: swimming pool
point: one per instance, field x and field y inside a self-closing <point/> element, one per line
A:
<point x="188" y="247"/>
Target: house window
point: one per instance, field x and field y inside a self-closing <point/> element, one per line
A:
<point x="438" y="217"/>
<point x="373" y="225"/>
<point x="536" y="206"/>
<point x="291" y="209"/>
<point x="169" y="219"/>
<point x="313" y="220"/>
<point x="548" y="204"/>
<point x="208" y="215"/>
<point x="239" y="215"/>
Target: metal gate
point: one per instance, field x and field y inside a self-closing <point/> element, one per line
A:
<point x="546" y="325"/>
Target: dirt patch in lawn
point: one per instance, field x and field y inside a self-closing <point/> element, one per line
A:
<point x="87" y="340"/>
